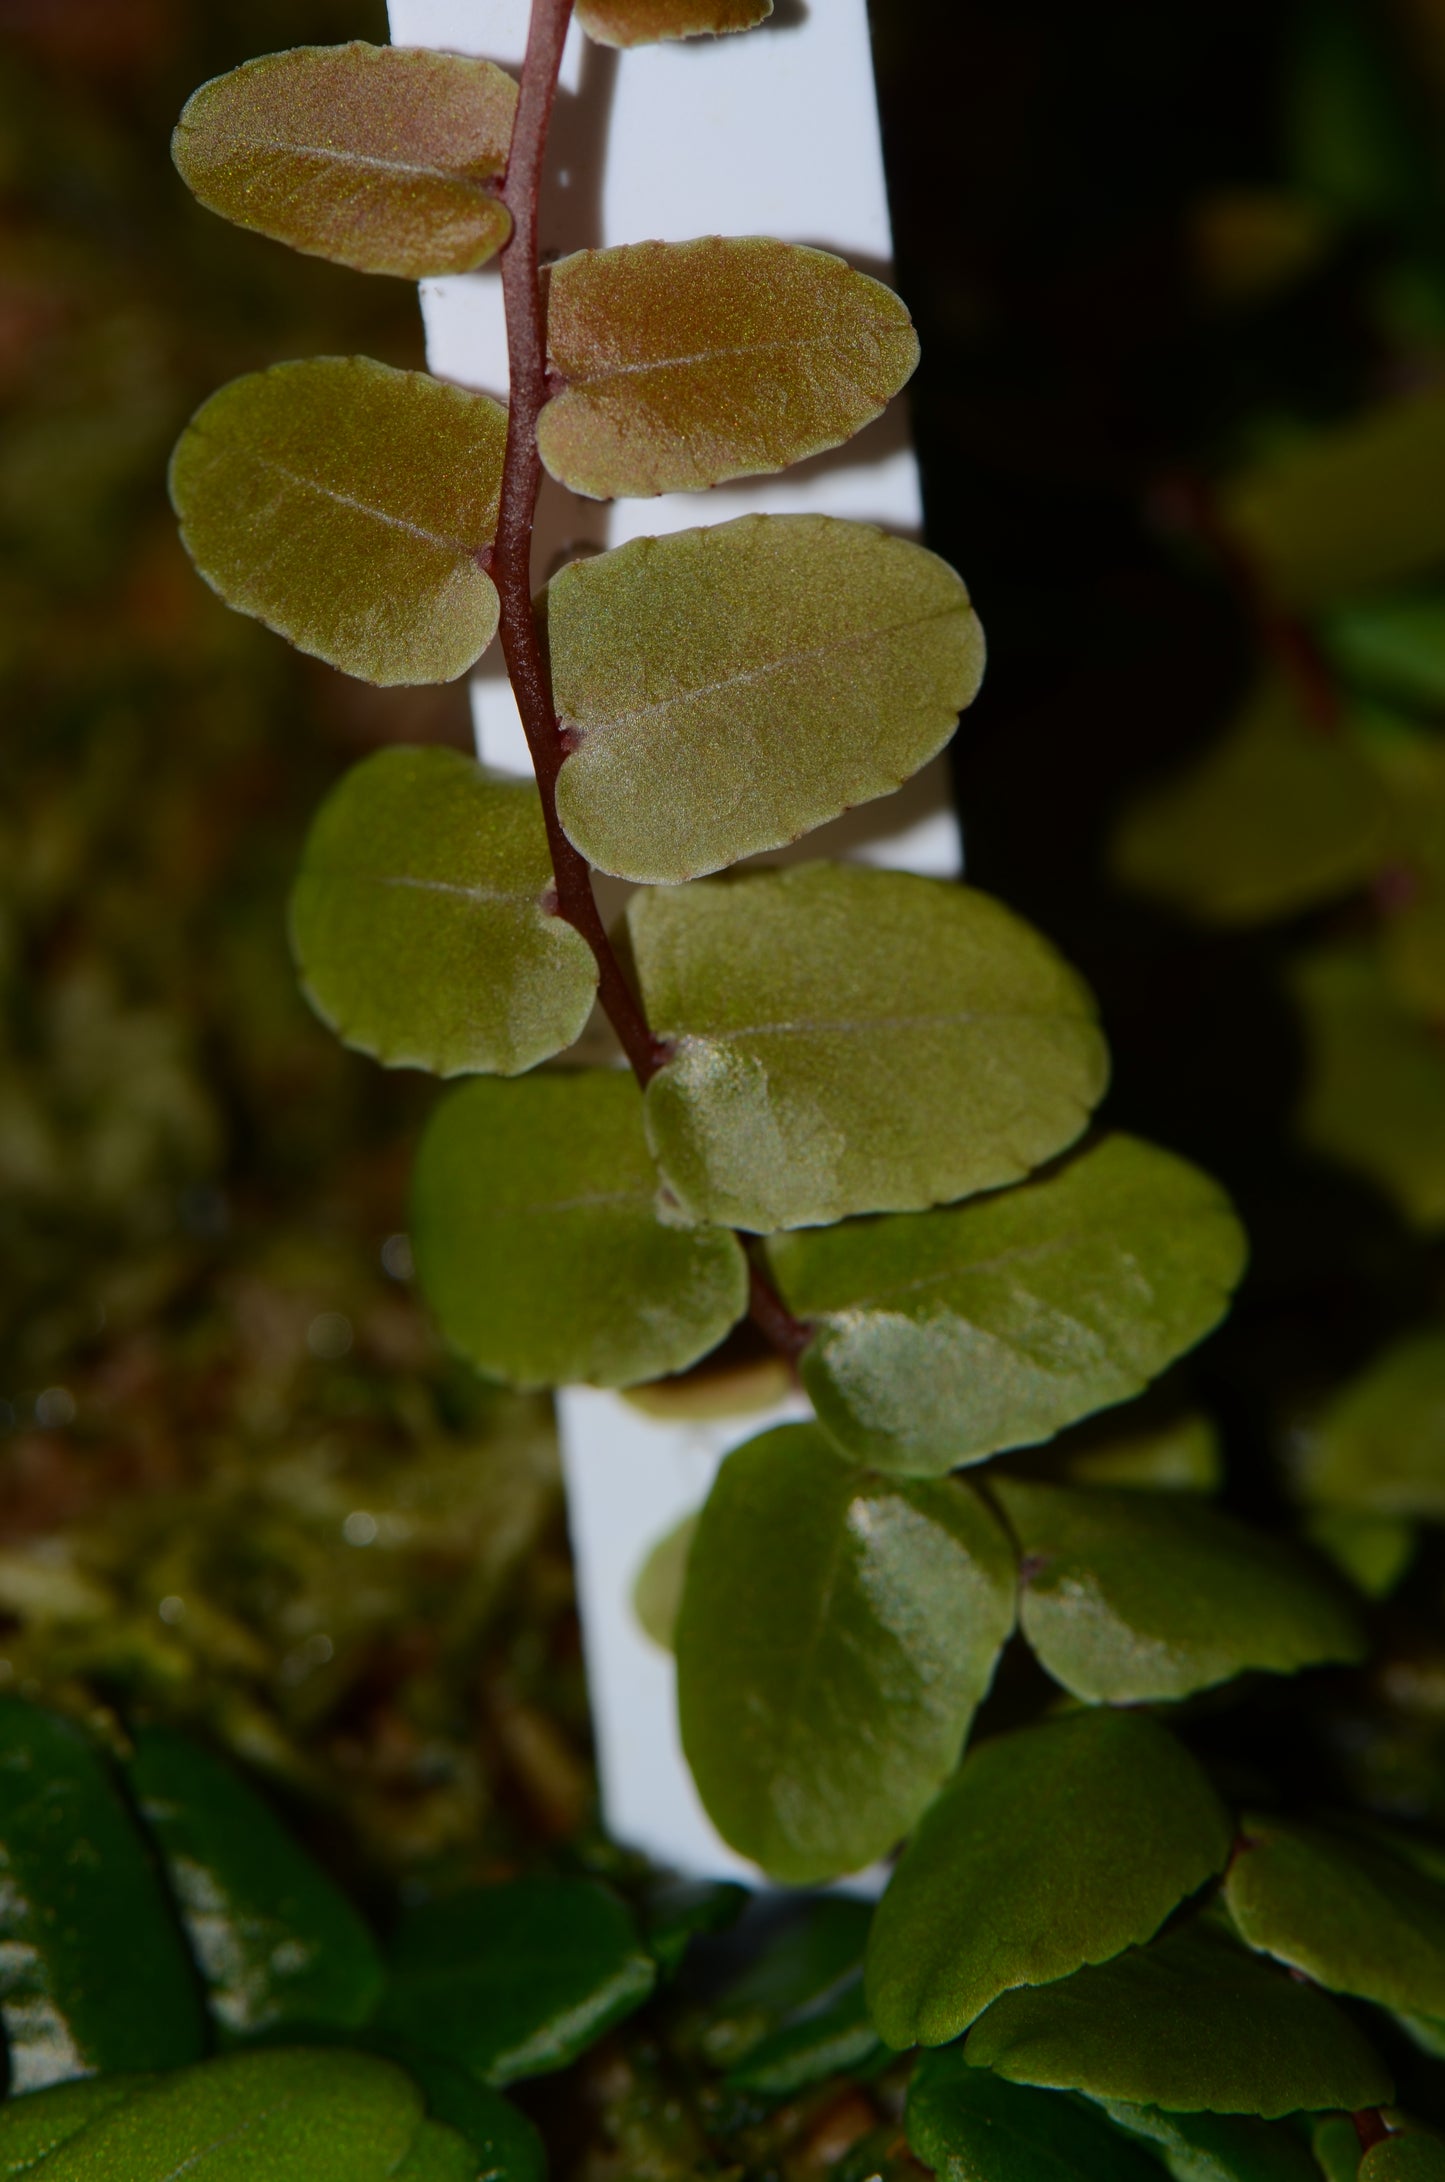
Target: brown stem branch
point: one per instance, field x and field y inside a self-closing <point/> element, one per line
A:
<point x="510" y="564"/>
<point x="1370" y="2128"/>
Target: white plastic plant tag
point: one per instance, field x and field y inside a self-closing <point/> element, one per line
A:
<point x="774" y="132"/>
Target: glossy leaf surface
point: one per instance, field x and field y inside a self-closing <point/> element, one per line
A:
<point x="418" y="919"/>
<point x="1218" y="2147"/>
<point x="945" y="1336"/>
<point x="1380" y="1444"/>
<point x="969" y="2126"/>
<point x="377" y="157"/>
<point x="516" y="1980"/>
<point x="1137" y="1598"/>
<point x="80" y="1897"/>
<point x="275" y="1939"/>
<point x="851" y="1040"/>
<point x="729" y="688"/>
<point x="36" y="2122"/>
<point x="344" y="504"/>
<point x="1277" y="815"/>
<point x="690" y="363"/>
<point x="314" y="2116"/>
<point x="540" y="1244"/>
<point x="837" y="1632"/>
<point x="646" y="22"/>
<point x="1053" y="1847"/>
<point x="1190" y="2024"/>
<point x="1410" y="2157"/>
<point x="1345" y="1912"/>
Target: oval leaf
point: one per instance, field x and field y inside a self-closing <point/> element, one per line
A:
<point x="831" y="2039"/>
<point x="836" y="1634"/>
<point x="1380" y="1444"/>
<point x="692" y="362"/>
<point x="516" y="1980"/>
<point x="505" y="2144"/>
<point x="1138" y="1598"/>
<point x="419" y="920"/>
<point x="849" y="1040"/>
<point x="657" y="1588"/>
<point x="1409" y="2157"/>
<point x="541" y="1244"/>
<point x="1191" y="2025"/>
<point x="969" y="2126"/>
<point x="1344" y="1911"/>
<point x="725" y="690"/>
<point x="80" y="1898"/>
<point x="945" y="1336"/>
<point x="648" y="22"/>
<point x="1054" y="1847"/>
<point x="34" y="2124"/>
<point x="1219" y="2147"/>
<point x="344" y="504"/>
<point x="276" y="1941"/>
<point x="377" y="157"/>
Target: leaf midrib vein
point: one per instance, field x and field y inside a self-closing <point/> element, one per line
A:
<point x="363" y="507"/>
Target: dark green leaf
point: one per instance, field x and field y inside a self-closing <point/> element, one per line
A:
<point x="1190" y="2024"/>
<point x="1394" y="644"/>
<point x="1373" y="1551"/>
<point x="375" y="156"/>
<point x="972" y="2127"/>
<point x="645" y="22"/>
<point x="516" y="1980"/>
<point x="544" y="1247"/>
<point x="276" y="1941"/>
<point x="822" y="2043"/>
<point x="837" y="1632"/>
<point x="1055" y="1846"/>
<point x="1336" y="2146"/>
<point x="1380" y="1444"/>
<point x="1345" y="1912"/>
<point x="419" y="921"/>
<point x="344" y="504"/>
<point x="682" y="1910"/>
<point x="1410" y="2157"/>
<point x="505" y="2145"/>
<point x="945" y="1336"/>
<point x="1140" y="1598"/>
<point x="35" y="2123"/>
<point x="852" y="1040"/>
<point x="1217" y="2147"/>
<point x="688" y="363"/>
<point x="438" y="2154"/>
<point x="817" y="1955"/>
<point x="1374" y="1094"/>
<point x="727" y="689"/>
<point x="93" y="1971"/>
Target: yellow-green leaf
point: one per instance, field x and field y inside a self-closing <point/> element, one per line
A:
<point x="1137" y="1598"/>
<point x="1380" y="1444"/>
<point x="648" y="22"/>
<point x="1276" y="815"/>
<point x="724" y="690"/>
<point x="419" y="921"/>
<point x="942" y="1337"/>
<point x="853" y="1040"/>
<point x="657" y="1587"/>
<point x="345" y="505"/>
<point x="688" y="363"/>
<point x="1183" y="1456"/>
<point x="377" y="157"/>
<point x="544" y="1247"/>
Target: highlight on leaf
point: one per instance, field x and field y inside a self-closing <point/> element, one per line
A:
<point x="377" y="157"/>
<point x="725" y="690"/>
<point x="345" y="503"/>
<point x="943" y="1337"/>
<point x="419" y="922"/>
<point x="851" y="1040"/>
<point x="649" y="22"/>
<point x="543" y="1244"/>
<point x="690" y="363"/>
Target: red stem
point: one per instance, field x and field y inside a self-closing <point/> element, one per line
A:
<point x="1369" y="2128"/>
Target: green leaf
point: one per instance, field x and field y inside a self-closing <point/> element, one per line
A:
<point x="825" y="2042"/>
<point x="419" y="919"/>
<point x="1055" y="1846"/>
<point x="438" y="2154"/>
<point x="35" y="2123"/>
<point x="1380" y="1444"/>
<point x="795" y="1975"/>
<point x="853" y="1040"/>
<point x="1218" y="2147"/>
<point x="1276" y="816"/>
<point x="837" y="1632"/>
<point x="544" y="1248"/>
<point x="1394" y="644"/>
<point x="322" y="2116"/>
<point x="1336" y="2147"/>
<point x="80" y="1898"/>
<point x="1183" y="1456"/>
<point x="1350" y="510"/>
<point x="1375" y="1090"/>
<point x="1143" y="1598"/>
<point x="972" y="2127"/>
<point x="1190" y="2024"/>
<point x="646" y="22"/>
<point x="505" y="2145"/>
<point x="377" y="157"/>
<point x="1409" y="2157"/>
<point x="1373" y="1551"/>
<point x="682" y="1910"/>
<point x="516" y="1980"/>
<point x="945" y="1336"/>
<point x="688" y="363"/>
<point x="1345" y="1912"/>
<point x="724" y="690"/>
<point x="657" y="1591"/>
<point x="344" y="504"/>
<point x="277" y="1942"/>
